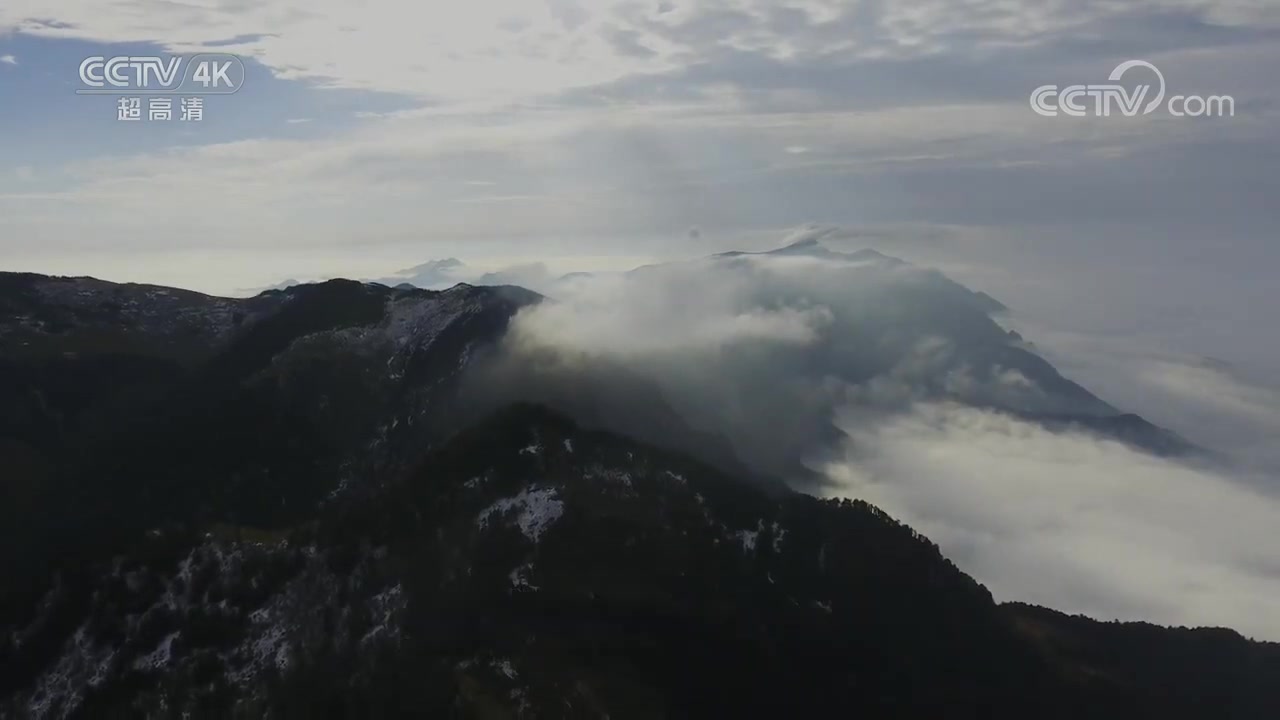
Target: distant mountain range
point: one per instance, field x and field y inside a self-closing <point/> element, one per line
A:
<point x="348" y="499"/>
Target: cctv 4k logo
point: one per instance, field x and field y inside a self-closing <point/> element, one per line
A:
<point x="205" y="74"/>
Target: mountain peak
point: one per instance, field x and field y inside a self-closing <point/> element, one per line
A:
<point x="804" y="243"/>
<point x="873" y="254"/>
<point x="810" y="246"/>
<point x="813" y="247"/>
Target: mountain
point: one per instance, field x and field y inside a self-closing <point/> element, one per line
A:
<point x="811" y="331"/>
<point x="531" y="567"/>
<point x="430" y="275"/>
<point x="128" y="407"/>
<point x="981" y="364"/>
<point x="316" y="501"/>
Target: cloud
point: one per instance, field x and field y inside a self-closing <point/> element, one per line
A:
<point x="1211" y="385"/>
<point x="671" y="310"/>
<point x="502" y="48"/>
<point x="1071" y="521"/>
<point x="1209" y="401"/>
<point x="489" y="48"/>
<point x="710" y="345"/>
<point x="8" y="60"/>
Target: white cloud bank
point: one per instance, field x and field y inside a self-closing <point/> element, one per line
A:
<point x="1070" y="521"/>
<point x="669" y="311"/>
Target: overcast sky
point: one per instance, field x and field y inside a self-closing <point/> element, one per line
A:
<point x="1139" y="253"/>
<point x="373" y="134"/>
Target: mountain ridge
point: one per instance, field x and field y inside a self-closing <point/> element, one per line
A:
<point x="277" y="504"/>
